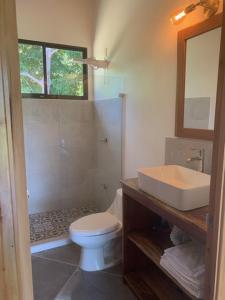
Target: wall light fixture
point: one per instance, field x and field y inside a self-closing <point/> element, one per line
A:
<point x="210" y="8"/>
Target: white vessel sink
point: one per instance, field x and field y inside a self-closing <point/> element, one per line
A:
<point x="179" y="187"/>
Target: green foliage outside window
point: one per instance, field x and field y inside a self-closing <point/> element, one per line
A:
<point x="65" y="76"/>
<point x="31" y="68"/>
<point x="51" y="71"/>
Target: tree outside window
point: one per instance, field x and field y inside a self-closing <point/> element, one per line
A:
<point x="51" y="71"/>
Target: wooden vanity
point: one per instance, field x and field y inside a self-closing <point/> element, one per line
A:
<point x="145" y="236"/>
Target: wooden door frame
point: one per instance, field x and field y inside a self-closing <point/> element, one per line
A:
<point x="15" y="262"/>
<point x="215" y="287"/>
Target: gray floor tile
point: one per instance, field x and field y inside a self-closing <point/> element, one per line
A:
<point x="95" y="286"/>
<point x="68" y="254"/>
<point x="49" y="277"/>
<point x="117" y="270"/>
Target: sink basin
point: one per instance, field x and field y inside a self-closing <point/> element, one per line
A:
<point x="179" y="187"/>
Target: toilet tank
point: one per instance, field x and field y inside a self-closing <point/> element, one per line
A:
<point x="116" y="207"/>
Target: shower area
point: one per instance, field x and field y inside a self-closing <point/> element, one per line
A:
<point x="73" y="151"/>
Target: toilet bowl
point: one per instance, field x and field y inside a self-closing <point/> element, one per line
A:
<point x="99" y="236"/>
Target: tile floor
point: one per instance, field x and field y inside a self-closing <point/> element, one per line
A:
<point x="56" y="275"/>
<point x="56" y="223"/>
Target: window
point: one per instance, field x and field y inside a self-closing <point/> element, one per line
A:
<point x="50" y="71"/>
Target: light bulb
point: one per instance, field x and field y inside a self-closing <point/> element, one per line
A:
<point x="180" y="14"/>
<point x="178" y="17"/>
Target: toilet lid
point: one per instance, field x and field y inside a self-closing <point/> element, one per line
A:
<point x="95" y="224"/>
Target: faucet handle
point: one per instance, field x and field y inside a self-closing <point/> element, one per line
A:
<point x="201" y="157"/>
<point x="200" y="150"/>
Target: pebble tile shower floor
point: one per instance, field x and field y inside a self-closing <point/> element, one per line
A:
<point x="53" y="224"/>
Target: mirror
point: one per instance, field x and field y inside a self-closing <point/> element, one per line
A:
<point x="202" y="65"/>
<point x="198" y="65"/>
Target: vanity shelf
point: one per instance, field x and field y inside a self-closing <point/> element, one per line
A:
<point x="152" y="244"/>
<point x="152" y="284"/>
<point x="145" y="239"/>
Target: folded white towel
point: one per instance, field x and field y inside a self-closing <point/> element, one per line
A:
<point x="189" y="258"/>
<point x="197" y="280"/>
<point x="178" y="236"/>
<point x="186" y="264"/>
<point x="195" y="289"/>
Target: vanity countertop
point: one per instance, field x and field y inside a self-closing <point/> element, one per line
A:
<point x="193" y="222"/>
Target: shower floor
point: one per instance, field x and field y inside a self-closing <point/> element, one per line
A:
<point x="53" y="224"/>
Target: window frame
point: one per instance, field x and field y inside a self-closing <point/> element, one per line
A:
<point x="63" y="47"/>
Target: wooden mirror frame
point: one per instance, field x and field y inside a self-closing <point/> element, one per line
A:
<point x="184" y="35"/>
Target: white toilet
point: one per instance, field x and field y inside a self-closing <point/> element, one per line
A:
<point x="99" y="236"/>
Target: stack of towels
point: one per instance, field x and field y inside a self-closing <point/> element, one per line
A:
<point x="178" y="236"/>
<point x="185" y="262"/>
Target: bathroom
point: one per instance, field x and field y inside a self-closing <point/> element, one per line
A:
<point x="139" y="105"/>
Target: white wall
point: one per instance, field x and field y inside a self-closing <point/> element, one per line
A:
<point x="68" y="22"/>
<point x="142" y="44"/>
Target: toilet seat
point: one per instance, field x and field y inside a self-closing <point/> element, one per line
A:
<point x="95" y="224"/>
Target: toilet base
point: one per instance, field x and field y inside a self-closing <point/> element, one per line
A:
<point x="92" y="259"/>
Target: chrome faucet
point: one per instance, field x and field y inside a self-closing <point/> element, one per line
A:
<point x="199" y="157"/>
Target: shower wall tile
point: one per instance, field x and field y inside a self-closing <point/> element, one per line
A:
<point x="179" y="149"/>
<point x="41" y="139"/>
<point x="74" y="177"/>
<point x="77" y="151"/>
<point x="87" y="113"/>
<point x="44" y="189"/>
<point x="40" y="110"/>
<point x="70" y="111"/>
<point x="108" y="124"/>
<point x="76" y="130"/>
<point x="59" y="153"/>
<point x="67" y="164"/>
<point x="69" y="134"/>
